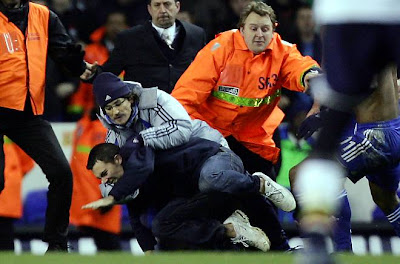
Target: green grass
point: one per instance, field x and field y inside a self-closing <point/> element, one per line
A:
<point x="182" y="258"/>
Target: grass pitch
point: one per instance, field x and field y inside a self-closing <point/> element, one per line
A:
<point x="182" y="258"/>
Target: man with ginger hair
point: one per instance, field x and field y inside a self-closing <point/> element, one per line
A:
<point x="235" y="82"/>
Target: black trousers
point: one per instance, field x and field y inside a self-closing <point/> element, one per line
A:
<point x="36" y="137"/>
<point x="253" y="162"/>
<point x="7" y="234"/>
<point x="197" y="221"/>
<point x="262" y="213"/>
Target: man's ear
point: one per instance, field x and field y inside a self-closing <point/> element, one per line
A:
<point x="118" y="159"/>
<point x="241" y="30"/>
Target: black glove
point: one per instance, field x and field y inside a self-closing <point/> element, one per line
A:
<point x="312" y="123"/>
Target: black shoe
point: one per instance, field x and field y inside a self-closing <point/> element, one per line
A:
<point x="58" y="248"/>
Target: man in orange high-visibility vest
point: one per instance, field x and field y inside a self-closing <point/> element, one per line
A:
<point x="29" y="32"/>
<point x="235" y="82"/>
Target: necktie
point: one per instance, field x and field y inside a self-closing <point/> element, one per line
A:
<point x="167" y="39"/>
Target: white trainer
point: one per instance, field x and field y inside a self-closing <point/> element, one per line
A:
<point x="277" y="193"/>
<point x="246" y="234"/>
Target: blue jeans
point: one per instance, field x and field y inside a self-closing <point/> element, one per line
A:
<point x="224" y="172"/>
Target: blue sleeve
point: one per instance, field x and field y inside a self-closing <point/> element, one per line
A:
<point x="138" y="163"/>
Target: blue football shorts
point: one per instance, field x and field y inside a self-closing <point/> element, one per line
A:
<point x="373" y="150"/>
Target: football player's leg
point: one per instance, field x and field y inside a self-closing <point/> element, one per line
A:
<point x="341" y="235"/>
<point x="383" y="188"/>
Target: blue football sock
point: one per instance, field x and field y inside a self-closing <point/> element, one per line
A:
<point x="394" y="219"/>
<point x="315" y="250"/>
<point x="341" y="236"/>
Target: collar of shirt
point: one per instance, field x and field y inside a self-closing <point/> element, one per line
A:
<point x="241" y="44"/>
<point x="171" y="31"/>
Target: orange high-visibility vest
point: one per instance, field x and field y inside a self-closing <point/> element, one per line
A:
<point x="86" y="186"/>
<point x="17" y="164"/>
<point x="23" y="60"/>
<point x="237" y="92"/>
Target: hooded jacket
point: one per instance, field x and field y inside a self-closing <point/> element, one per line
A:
<point x="162" y="122"/>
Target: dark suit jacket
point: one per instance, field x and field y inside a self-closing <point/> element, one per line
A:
<point x="140" y="52"/>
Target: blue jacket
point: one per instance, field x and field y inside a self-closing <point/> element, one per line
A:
<point x="159" y="176"/>
<point x="178" y="167"/>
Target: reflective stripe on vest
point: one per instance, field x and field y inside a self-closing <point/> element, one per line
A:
<point x="83" y="149"/>
<point x="242" y="101"/>
<point x="7" y="140"/>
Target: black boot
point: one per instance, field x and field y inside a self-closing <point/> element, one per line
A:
<point x="57" y="247"/>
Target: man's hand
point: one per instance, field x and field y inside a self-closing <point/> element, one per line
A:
<point x="104" y="202"/>
<point x="315" y="108"/>
<point x="308" y="77"/>
<point x="90" y="71"/>
<point x="312" y="123"/>
<point x="309" y="126"/>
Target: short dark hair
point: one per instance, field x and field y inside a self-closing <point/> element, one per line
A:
<point x="104" y="152"/>
<point x="261" y="9"/>
<point x="149" y="1"/>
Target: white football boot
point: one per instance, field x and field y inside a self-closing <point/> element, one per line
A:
<point x="246" y="234"/>
<point x="278" y="194"/>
